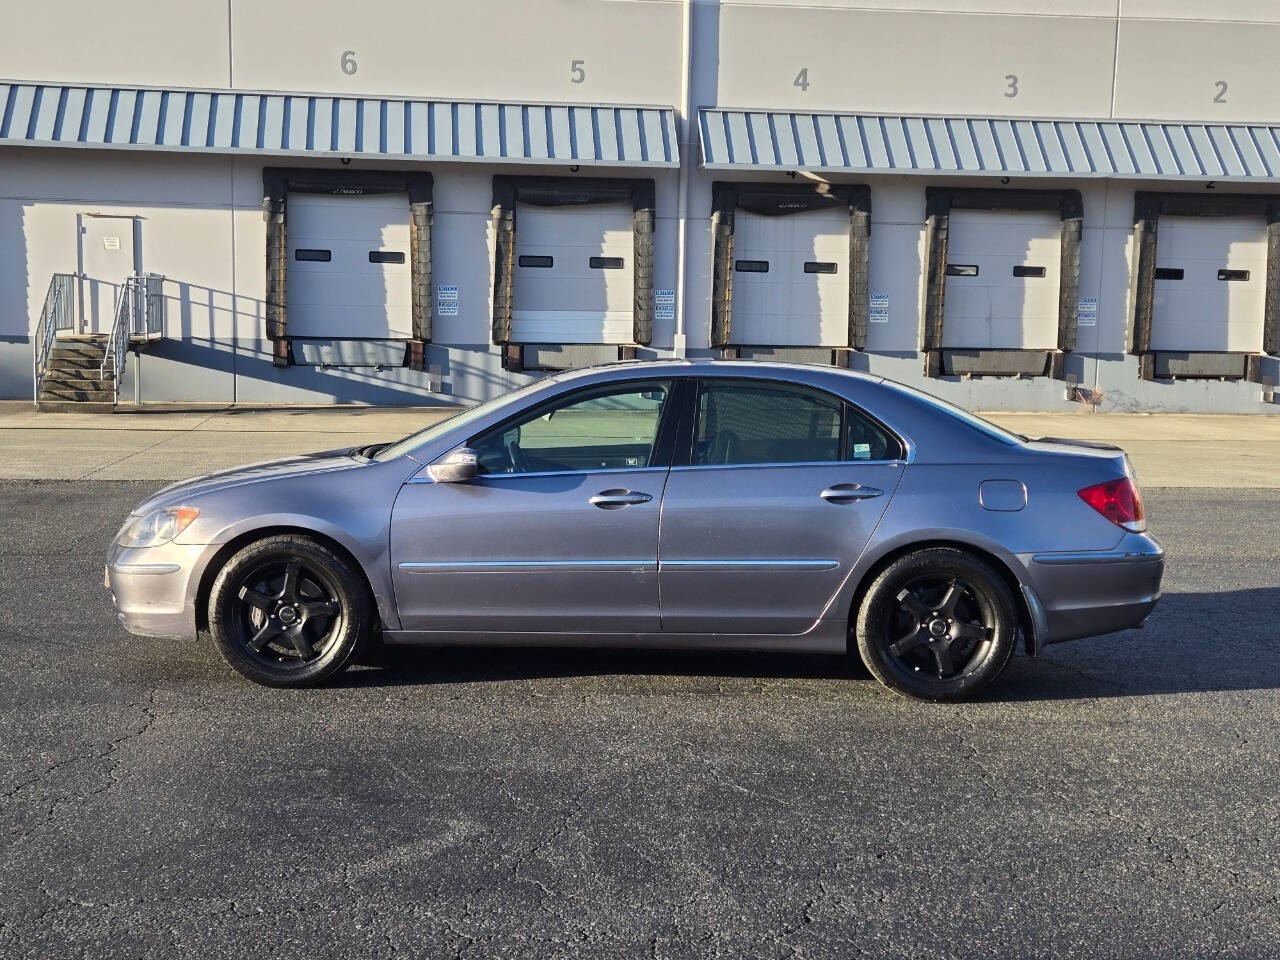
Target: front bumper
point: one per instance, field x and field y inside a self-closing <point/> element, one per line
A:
<point x="154" y="589"/>
<point x="1087" y="593"/>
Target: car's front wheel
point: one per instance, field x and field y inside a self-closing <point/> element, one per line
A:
<point x="288" y="611"/>
<point x="937" y="624"/>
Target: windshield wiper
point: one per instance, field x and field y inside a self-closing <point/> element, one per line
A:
<point x="368" y="450"/>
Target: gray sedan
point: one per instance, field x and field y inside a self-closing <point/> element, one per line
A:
<point x="684" y="504"/>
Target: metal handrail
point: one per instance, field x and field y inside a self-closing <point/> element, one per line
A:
<point x="58" y="313"/>
<point x="139" y="312"/>
<point x="117" y="351"/>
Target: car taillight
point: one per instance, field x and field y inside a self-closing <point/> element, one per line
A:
<point x="1118" y="501"/>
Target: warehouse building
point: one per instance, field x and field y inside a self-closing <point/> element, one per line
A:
<point x="1014" y="204"/>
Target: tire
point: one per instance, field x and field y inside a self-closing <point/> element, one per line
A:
<point x="937" y="624"/>
<point x="288" y="611"/>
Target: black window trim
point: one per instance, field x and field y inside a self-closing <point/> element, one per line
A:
<point x="669" y="421"/>
<point x="683" y="455"/>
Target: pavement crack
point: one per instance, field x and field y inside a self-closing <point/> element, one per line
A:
<point x="106" y="751"/>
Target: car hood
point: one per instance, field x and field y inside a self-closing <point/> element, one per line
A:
<point x="187" y="490"/>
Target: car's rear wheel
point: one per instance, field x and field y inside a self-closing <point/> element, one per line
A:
<point x="288" y="611"/>
<point x="937" y="624"/>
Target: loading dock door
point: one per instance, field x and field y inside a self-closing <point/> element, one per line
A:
<point x="348" y="268"/>
<point x="1003" y="279"/>
<point x="1210" y="285"/>
<point x="791" y="278"/>
<point x="574" y="274"/>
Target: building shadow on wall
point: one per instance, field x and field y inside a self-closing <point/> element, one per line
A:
<point x="16" y="325"/>
<point x="194" y="313"/>
<point x="1194" y="643"/>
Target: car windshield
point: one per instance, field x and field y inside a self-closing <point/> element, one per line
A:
<point x="994" y="431"/>
<point x="412" y="442"/>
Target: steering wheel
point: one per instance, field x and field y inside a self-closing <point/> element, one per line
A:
<point x="519" y="464"/>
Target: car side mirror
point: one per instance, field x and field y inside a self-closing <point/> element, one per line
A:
<point x="457" y="466"/>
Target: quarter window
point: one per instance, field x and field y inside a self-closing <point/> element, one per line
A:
<point x="864" y="439"/>
<point x="611" y="428"/>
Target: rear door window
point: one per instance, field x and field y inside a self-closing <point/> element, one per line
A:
<point x="757" y="422"/>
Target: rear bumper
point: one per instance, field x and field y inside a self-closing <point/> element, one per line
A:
<point x="1087" y="593"/>
<point x="153" y="589"/>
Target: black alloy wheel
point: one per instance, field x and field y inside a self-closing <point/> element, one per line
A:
<point x="941" y="626"/>
<point x="289" y="611"/>
<point x="938" y="623"/>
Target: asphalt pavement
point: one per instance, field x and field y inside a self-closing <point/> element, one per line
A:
<point x="1117" y="798"/>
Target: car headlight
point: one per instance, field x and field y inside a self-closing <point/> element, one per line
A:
<point x="156" y="527"/>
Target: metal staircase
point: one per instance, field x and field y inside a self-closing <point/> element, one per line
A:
<point x="81" y="372"/>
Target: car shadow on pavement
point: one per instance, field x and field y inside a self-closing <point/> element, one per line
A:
<point x="397" y="666"/>
<point x="1193" y="643"/>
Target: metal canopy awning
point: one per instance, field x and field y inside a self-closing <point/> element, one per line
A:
<point x="279" y="124"/>
<point x="874" y="143"/>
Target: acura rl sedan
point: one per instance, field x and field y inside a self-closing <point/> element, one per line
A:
<point x="678" y="504"/>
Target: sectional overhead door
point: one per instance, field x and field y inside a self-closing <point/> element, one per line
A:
<point x="348" y="267"/>
<point x="1003" y="280"/>
<point x="1210" y="284"/>
<point x="574" y="274"/>
<point x="791" y="278"/>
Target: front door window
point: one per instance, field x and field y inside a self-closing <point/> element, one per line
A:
<point x="613" y="428"/>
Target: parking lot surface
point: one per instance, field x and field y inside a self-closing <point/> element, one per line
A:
<point x="1116" y="798"/>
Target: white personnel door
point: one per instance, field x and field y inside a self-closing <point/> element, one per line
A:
<point x="349" y="271"/>
<point x="1003" y="275"/>
<point x="574" y="278"/>
<point x="791" y="278"/>
<point x="1211" y="284"/>
<point x="107" y="257"/>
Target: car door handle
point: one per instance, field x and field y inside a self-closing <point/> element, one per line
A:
<point x="849" y="492"/>
<point x="613" y="499"/>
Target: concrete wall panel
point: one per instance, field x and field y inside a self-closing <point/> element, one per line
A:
<point x="144" y="42"/>
<point x="915" y="62"/>
<point x="1194" y="70"/>
<point x="499" y="49"/>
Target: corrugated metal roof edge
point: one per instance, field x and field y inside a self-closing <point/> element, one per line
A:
<point x="332" y="95"/>
<point x="350" y="155"/>
<point x="1018" y="118"/>
<point x="1011" y="174"/>
<point x="984" y="146"/>
<point x="294" y="124"/>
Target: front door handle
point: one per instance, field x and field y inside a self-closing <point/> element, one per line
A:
<point x="849" y="492"/>
<point x="613" y="499"/>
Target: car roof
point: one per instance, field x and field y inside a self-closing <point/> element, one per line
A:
<point x="707" y="366"/>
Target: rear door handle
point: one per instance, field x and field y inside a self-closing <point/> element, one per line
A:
<point x="849" y="492"/>
<point x="613" y="499"/>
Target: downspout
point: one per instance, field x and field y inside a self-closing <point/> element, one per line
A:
<point x="687" y="141"/>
